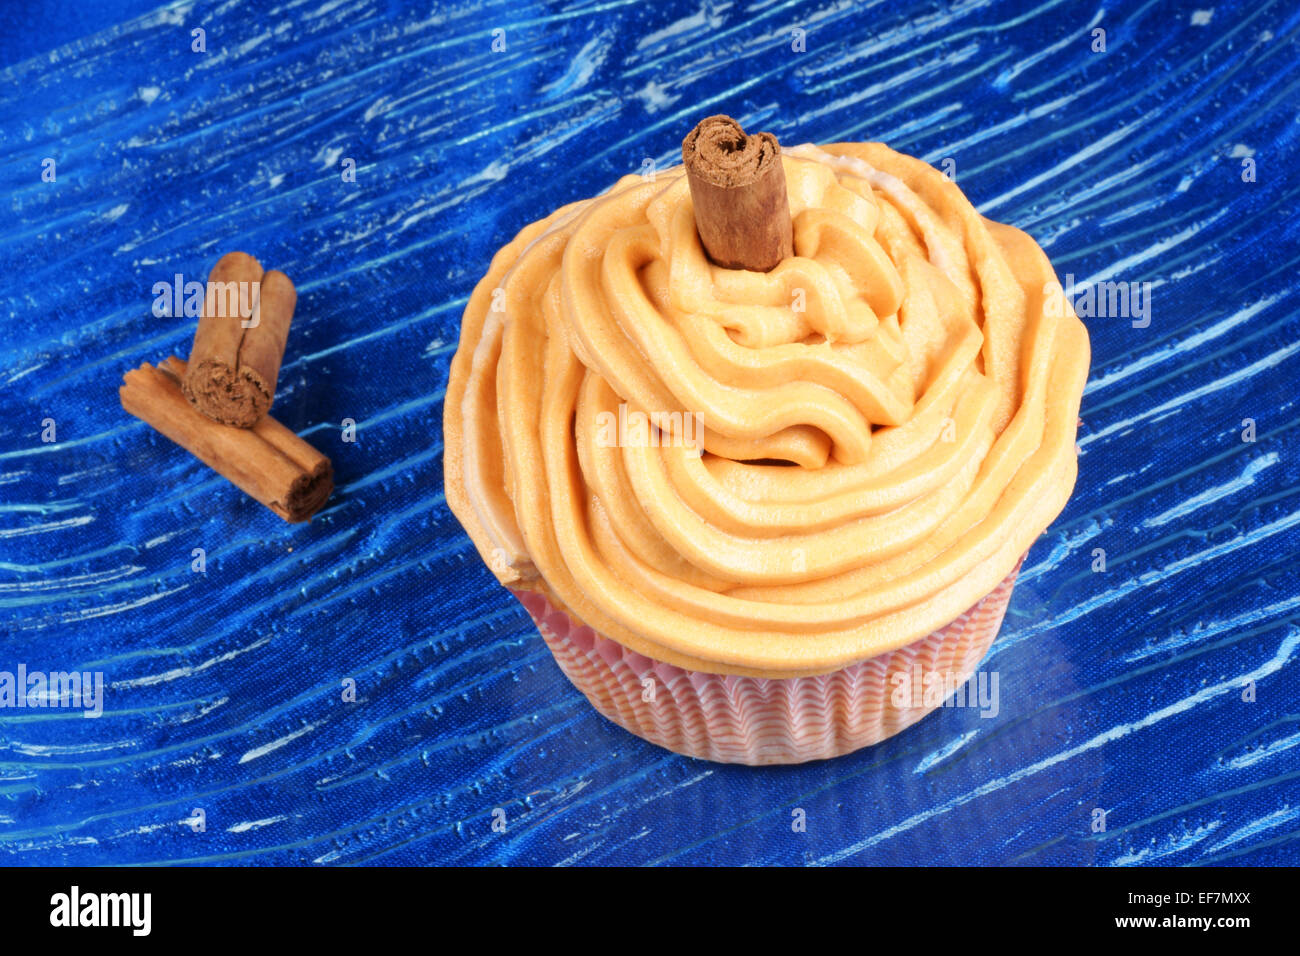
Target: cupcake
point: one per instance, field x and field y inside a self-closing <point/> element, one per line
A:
<point x="749" y="503"/>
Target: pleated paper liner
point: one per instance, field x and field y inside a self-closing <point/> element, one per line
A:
<point x="753" y="720"/>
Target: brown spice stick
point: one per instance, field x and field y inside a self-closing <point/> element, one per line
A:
<point x="233" y="369"/>
<point x="737" y="185"/>
<point x="268" y="461"/>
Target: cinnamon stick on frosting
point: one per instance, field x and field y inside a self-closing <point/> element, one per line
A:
<point x="268" y="461"/>
<point x="738" y="191"/>
<point x="239" y="344"/>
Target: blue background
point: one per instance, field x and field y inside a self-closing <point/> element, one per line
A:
<point x="1120" y="689"/>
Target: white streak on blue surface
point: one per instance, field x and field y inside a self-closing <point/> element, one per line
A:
<point x="1210" y="495"/>
<point x="1256" y="827"/>
<point x="276" y="744"/>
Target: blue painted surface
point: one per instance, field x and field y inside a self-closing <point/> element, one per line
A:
<point x="1120" y="689"/>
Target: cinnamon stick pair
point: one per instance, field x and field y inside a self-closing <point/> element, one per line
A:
<point x="240" y="341"/>
<point x="215" y="406"/>
<point x="268" y="461"/>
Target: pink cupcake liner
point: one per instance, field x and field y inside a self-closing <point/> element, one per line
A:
<point x="755" y="720"/>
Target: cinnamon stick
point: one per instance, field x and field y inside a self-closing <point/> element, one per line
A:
<point x="239" y="343"/>
<point x="268" y="461"/>
<point x="738" y="190"/>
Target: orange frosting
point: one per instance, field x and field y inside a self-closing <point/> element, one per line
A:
<point x="887" y="417"/>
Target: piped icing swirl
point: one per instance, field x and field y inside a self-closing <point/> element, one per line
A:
<point x="887" y="418"/>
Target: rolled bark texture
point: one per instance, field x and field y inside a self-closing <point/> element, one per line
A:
<point x="239" y="344"/>
<point x="268" y="461"/>
<point x="738" y="190"/>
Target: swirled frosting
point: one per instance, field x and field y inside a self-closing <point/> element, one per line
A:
<point x="887" y="417"/>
